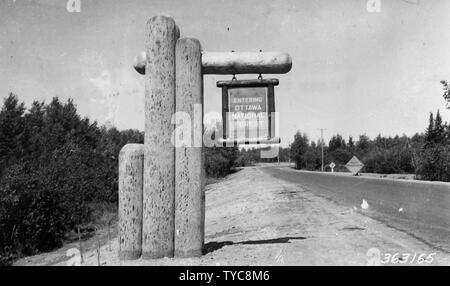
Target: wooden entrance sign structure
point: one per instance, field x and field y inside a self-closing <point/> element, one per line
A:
<point x="161" y="184"/>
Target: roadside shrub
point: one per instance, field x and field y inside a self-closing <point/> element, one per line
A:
<point x="244" y="160"/>
<point x="216" y="165"/>
<point x="219" y="161"/>
<point x="31" y="216"/>
<point x="434" y="163"/>
<point x="311" y="160"/>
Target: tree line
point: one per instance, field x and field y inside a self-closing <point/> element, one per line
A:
<point x="57" y="170"/>
<point x="426" y="154"/>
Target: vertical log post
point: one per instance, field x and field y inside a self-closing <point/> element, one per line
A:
<point x="159" y="153"/>
<point x="131" y="163"/>
<point x="189" y="168"/>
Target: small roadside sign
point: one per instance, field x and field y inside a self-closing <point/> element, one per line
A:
<point x="332" y="165"/>
<point x="354" y="165"/>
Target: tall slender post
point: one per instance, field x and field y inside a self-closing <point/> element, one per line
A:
<point x="159" y="153"/>
<point x="321" y="144"/>
<point x="189" y="169"/>
<point x="131" y="163"/>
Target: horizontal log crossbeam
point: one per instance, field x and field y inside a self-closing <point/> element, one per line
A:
<point x="246" y="141"/>
<point x="235" y="63"/>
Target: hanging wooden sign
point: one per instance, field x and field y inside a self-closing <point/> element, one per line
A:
<point x="248" y="108"/>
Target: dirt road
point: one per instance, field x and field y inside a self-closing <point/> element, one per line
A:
<point x="255" y="218"/>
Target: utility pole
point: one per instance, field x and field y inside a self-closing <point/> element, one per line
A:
<point x="321" y="143"/>
<point x="289" y="154"/>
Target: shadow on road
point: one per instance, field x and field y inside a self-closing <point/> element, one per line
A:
<point x="214" y="245"/>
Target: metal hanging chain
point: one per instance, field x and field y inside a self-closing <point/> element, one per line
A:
<point x="234" y="75"/>
<point x="260" y="75"/>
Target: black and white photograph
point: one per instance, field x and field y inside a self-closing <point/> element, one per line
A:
<point x="224" y="133"/>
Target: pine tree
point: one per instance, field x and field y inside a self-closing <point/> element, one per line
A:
<point x="447" y="135"/>
<point x="351" y="144"/>
<point x="298" y="149"/>
<point x="363" y="143"/>
<point x="439" y="129"/>
<point x="446" y="94"/>
<point x="336" y="142"/>
<point x="429" y="133"/>
<point x="11" y="130"/>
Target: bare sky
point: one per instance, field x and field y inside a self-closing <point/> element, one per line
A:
<point x="353" y="71"/>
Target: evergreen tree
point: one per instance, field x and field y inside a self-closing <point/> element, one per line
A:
<point x="298" y="148"/>
<point x="439" y="129"/>
<point x="11" y="130"/>
<point x="336" y="142"/>
<point x="351" y="144"/>
<point x="429" y="132"/>
<point x="446" y="94"/>
<point x="363" y="144"/>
